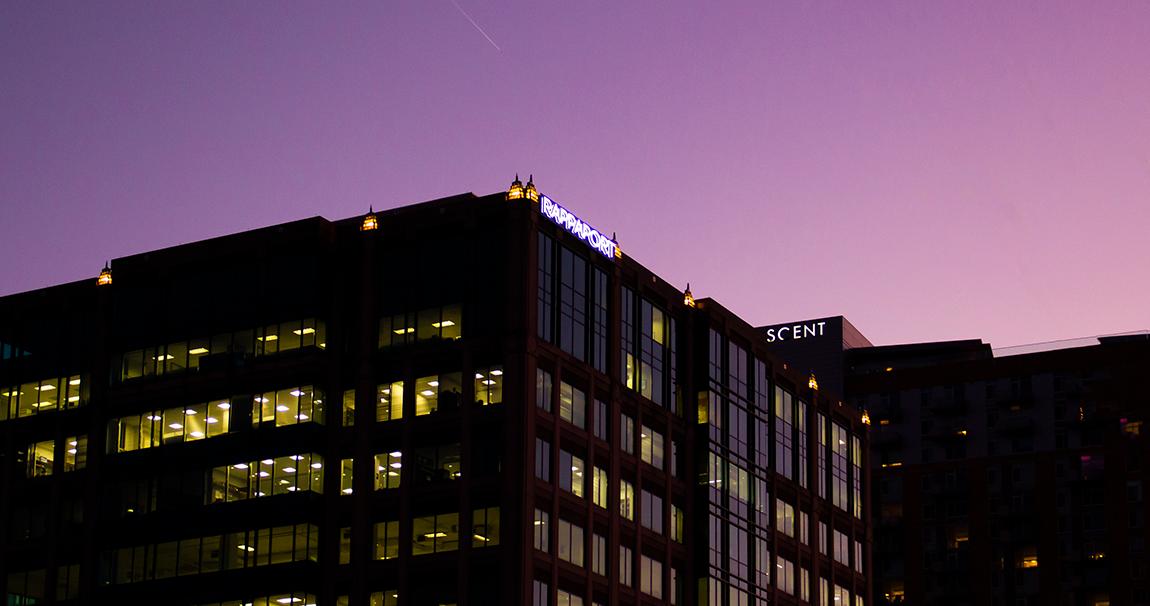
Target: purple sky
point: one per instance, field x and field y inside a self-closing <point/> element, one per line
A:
<point x="931" y="170"/>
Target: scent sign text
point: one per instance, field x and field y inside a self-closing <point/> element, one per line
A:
<point x="796" y="331"/>
<point x="578" y="228"/>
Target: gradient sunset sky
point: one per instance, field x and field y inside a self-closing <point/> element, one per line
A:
<point x="931" y="170"/>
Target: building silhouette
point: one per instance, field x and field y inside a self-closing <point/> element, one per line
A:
<point x="472" y="400"/>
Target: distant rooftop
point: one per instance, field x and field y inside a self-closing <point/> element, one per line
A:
<point x="1016" y="350"/>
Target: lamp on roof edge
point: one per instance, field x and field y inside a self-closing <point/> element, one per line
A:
<point x="370" y="221"/>
<point x="105" y="278"/>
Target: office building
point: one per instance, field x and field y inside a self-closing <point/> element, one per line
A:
<point x="1008" y="479"/>
<point x="472" y="400"/>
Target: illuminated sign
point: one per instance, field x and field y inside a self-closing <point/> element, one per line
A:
<point x="794" y="332"/>
<point x="578" y="228"/>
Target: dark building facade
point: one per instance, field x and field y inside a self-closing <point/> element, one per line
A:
<point x="1011" y="480"/>
<point x="473" y="400"/>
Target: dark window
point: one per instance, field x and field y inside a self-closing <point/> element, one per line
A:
<point x="572" y="303"/>
<point x="601" y="426"/>
<point x="543" y="459"/>
<point x="546" y="286"/>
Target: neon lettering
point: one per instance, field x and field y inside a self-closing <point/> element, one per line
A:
<point x="567" y="220"/>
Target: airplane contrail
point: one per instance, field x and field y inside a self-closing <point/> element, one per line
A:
<point x="477" y="27"/>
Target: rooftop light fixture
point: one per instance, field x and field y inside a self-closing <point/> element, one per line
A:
<point x="529" y="191"/>
<point x="105" y="278"/>
<point x="812" y="383"/>
<point x="516" y="190"/>
<point x="369" y="221"/>
<point x="688" y="300"/>
<point x="865" y="418"/>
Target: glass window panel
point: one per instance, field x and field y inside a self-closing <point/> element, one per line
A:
<point x="388" y="470"/>
<point x="195" y="427"/>
<point x="626" y="500"/>
<point x="485" y="527"/>
<point x="345" y="478"/>
<point x="166" y="560"/>
<point x="489" y="385"/>
<point x="281" y="545"/>
<point x="188" y="558"/>
<point x="308" y="332"/>
<point x="389" y="401"/>
<point x="287" y="406"/>
<point x="542" y="531"/>
<point x="41" y="457"/>
<point x="290" y="333"/>
<point x="348" y="416"/>
<point x="218" y="418"/>
<point x="451" y="323"/>
<point x="386" y="540"/>
<point x="543" y="389"/>
<point x="75" y="453"/>
<point x="197" y="349"/>
<point x="572" y="405"/>
<point x="283" y="475"/>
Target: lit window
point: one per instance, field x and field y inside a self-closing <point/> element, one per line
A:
<point x="386" y="540"/>
<point x="435" y="534"/>
<point x="572" y="405"/>
<point x="570" y="542"/>
<point x="542" y="531"/>
<point x="388" y="470"/>
<point x="485" y="527"/>
<point x="489" y="385"/>
<point x="571" y="469"/>
<point x="651" y="447"/>
<point x="437" y="393"/>
<point x="626" y="500"/>
<point x="345" y="476"/>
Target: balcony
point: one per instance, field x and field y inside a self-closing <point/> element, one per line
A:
<point x="1015" y="426"/>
